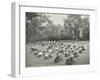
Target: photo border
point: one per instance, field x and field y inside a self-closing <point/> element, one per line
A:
<point x="16" y="67"/>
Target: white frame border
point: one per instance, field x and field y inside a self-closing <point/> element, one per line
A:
<point x="15" y="52"/>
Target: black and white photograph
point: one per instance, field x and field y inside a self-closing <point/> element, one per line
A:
<point x="55" y="39"/>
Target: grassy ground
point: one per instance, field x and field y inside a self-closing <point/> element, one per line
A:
<point x="33" y="61"/>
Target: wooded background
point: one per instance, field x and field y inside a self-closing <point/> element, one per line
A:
<point x="39" y="26"/>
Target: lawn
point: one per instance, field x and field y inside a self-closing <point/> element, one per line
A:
<point x="34" y="61"/>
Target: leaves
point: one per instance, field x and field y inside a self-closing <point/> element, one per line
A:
<point x="40" y="27"/>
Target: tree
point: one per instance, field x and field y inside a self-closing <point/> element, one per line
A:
<point x="33" y="24"/>
<point x="73" y="24"/>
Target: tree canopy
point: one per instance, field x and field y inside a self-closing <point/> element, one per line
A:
<point x="39" y="26"/>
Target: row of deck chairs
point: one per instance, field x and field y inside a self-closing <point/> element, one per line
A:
<point x="60" y="50"/>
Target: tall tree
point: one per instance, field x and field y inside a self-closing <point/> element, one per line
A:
<point x="73" y="23"/>
<point x="33" y="23"/>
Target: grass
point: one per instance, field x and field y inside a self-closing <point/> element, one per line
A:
<point x="34" y="61"/>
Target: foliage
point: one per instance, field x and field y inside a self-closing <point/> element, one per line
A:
<point x="40" y="27"/>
